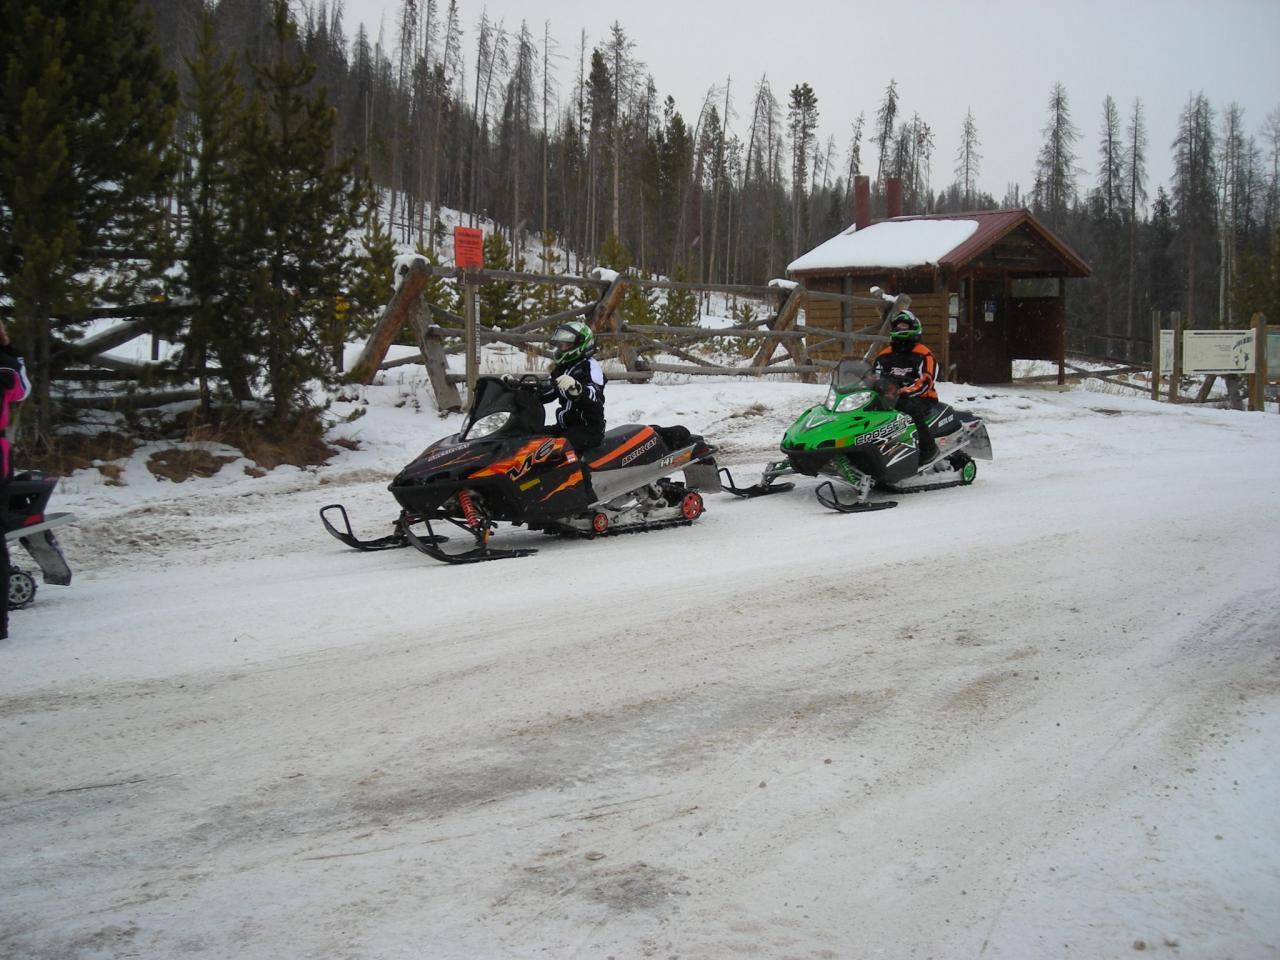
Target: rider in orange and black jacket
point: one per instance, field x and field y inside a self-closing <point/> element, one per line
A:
<point x="907" y="369"/>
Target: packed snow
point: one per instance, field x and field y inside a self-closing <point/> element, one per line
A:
<point x="1034" y="717"/>
<point x="893" y="244"/>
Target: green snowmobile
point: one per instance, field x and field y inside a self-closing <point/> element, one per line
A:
<point x="857" y="438"/>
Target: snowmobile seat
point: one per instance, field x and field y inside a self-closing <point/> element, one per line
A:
<point x="29" y="494"/>
<point x="942" y="419"/>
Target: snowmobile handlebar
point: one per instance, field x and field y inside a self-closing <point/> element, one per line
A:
<point x="525" y="381"/>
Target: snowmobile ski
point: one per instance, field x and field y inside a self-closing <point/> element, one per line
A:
<point x="827" y="496"/>
<point x="391" y="541"/>
<point x="761" y="489"/>
<point x="478" y="554"/>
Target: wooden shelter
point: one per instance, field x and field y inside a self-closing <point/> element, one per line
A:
<point x="989" y="287"/>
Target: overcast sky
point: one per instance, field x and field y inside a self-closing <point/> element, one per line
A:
<point x="998" y="57"/>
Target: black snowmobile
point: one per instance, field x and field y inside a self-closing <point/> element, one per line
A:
<point x="502" y="467"/>
<point x="25" y="522"/>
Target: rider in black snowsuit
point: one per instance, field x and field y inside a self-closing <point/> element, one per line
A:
<point x="577" y="382"/>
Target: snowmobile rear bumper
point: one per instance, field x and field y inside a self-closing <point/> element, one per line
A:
<point x="43" y="546"/>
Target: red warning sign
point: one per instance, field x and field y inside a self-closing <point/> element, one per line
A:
<point x="468" y="248"/>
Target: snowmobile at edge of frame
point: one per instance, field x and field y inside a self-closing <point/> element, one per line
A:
<point x="24" y="521"/>
<point x="855" y="437"/>
<point x="503" y="467"/>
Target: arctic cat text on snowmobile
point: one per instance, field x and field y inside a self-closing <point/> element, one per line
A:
<point x="856" y="437"/>
<point x="25" y="521"/>
<point x="503" y="467"/>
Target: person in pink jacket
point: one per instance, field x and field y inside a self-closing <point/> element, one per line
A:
<point x="14" y="388"/>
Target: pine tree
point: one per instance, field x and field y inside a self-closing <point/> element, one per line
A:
<point x="550" y="298"/>
<point x="886" y="118"/>
<point x="622" y="70"/>
<point x="86" y="111"/>
<point x="295" y="211"/>
<point x="600" y="100"/>
<point x="209" y="149"/>
<point x="1055" y="179"/>
<point x="1111" y="162"/>
<point x="680" y="308"/>
<point x="968" y="161"/>
<point x="373" y="283"/>
<point x="1136" y="191"/>
<point x="1234" y="202"/>
<point x="1195" y="200"/>
<point x="499" y="302"/>
<point x="802" y="121"/>
<point x="439" y="291"/>
<point x="1162" y="274"/>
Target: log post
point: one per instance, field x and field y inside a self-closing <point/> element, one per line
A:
<point x="395" y="315"/>
<point x="434" y="359"/>
<point x="1258" y="382"/>
<point x="1175" y="377"/>
<point x="470" y="340"/>
<point x="784" y="320"/>
<point x="1156" y="325"/>
<point x="606" y="314"/>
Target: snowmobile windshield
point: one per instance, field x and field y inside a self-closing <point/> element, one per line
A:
<point x="851" y="375"/>
<point x="502" y="409"/>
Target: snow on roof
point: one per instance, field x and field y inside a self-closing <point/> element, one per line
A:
<point x="888" y="243"/>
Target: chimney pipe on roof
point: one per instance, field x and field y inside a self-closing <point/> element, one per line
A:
<point x="893" y="196"/>
<point x="861" y="202"/>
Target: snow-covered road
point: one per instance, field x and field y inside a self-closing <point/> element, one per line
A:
<point x="1036" y="717"/>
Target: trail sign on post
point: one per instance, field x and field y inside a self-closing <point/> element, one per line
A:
<point x="468" y="255"/>
<point x="470" y="341"/>
<point x="468" y="248"/>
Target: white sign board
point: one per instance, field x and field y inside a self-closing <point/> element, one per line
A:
<point x="1218" y="351"/>
<point x="1209" y="351"/>
<point x="1273" y="356"/>
<point x="1166" y="352"/>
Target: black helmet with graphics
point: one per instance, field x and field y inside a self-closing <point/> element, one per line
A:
<point x="905" y="330"/>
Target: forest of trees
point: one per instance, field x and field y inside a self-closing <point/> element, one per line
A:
<point x="576" y="142"/>
<point x="269" y="131"/>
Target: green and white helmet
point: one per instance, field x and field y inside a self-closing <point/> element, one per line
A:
<point x="905" y="330"/>
<point x="572" y="341"/>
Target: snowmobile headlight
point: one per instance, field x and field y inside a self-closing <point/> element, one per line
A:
<point x="854" y="401"/>
<point x="488" y="425"/>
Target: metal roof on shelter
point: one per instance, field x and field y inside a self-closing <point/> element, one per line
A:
<point x="992" y="226"/>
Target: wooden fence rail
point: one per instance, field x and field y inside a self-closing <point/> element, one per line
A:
<point x="631" y="341"/>
<point x="439" y="331"/>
